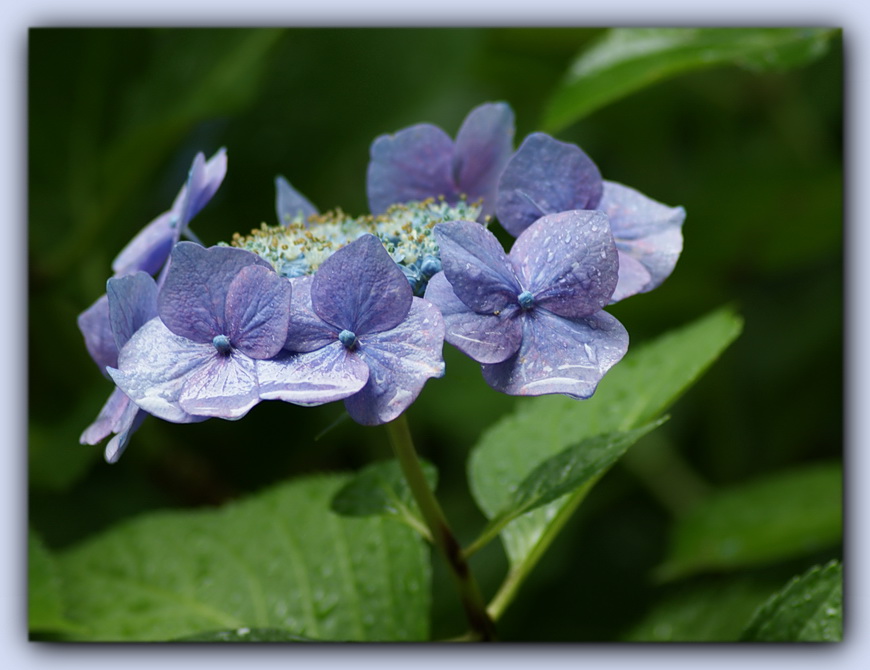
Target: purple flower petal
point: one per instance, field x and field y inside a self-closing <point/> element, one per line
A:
<point x="127" y="425"/>
<point x="361" y="289"/>
<point x="307" y="331"/>
<point x="100" y="342"/>
<point x="399" y="361"/>
<point x="331" y="373"/>
<point x="560" y="355"/>
<point x="545" y="176"/>
<point x="476" y="266"/>
<point x="192" y="300"/>
<point x="568" y="262"/>
<point x="487" y="338"/>
<point x="289" y="203"/>
<point x="222" y="386"/>
<point x="203" y="181"/>
<point x="107" y="420"/>
<point x="413" y="164"/>
<point x="633" y="277"/>
<point x="483" y="146"/>
<point x="258" y="311"/>
<point x="153" y="367"/>
<point x="150" y="248"/>
<point x="132" y="303"/>
<point x="645" y="230"/>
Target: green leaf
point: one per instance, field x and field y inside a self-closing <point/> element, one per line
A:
<point x="247" y="635"/>
<point x="628" y="59"/>
<point x="280" y="560"/>
<point x="635" y="392"/>
<point x="780" y="516"/>
<point x="381" y="489"/>
<point x="44" y="604"/>
<point x="808" y="609"/>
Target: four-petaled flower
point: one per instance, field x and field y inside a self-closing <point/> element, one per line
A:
<point x="546" y="176"/>
<point x="356" y="320"/>
<point x="423" y="162"/>
<point x="533" y="318"/>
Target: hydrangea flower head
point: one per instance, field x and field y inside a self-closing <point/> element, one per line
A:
<point x="422" y="161"/>
<point x="357" y="319"/>
<point x="151" y="247"/>
<point x="533" y="318"/>
<point x="219" y="310"/>
<point x="547" y="176"/>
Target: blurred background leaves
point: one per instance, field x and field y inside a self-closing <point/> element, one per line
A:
<point x="115" y="117"/>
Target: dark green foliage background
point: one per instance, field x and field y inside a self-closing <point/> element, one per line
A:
<point x="115" y="117"/>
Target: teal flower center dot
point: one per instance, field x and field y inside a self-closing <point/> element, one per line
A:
<point x="348" y="339"/>
<point x="526" y="299"/>
<point x="222" y="344"/>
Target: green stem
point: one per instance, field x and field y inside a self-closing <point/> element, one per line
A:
<point x="443" y="537"/>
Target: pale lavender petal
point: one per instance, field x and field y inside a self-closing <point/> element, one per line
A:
<point x="568" y="262"/>
<point x="203" y="181"/>
<point x="545" y="176"/>
<point x="192" y="300"/>
<point x="223" y="386"/>
<point x="361" y="289"/>
<point x="150" y="248"/>
<point x="153" y="367"/>
<point x="487" y="338"/>
<point x="132" y="303"/>
<point x="476" y="266"/>
<point x="633" y="277"/>
<point x="258" y="311"/>
<point x="413" y="164"/>
<point x="108" y="419"/>
<point x="483" y="146"/>
<point x="645" y="230"/>
<point x="127" y="425"/>
<point x="331" y="373"/>
<point x="306" y="331"/>
<point x="568" y="356"/>
<point x="400" y="361"/>
<point x="94" y="324"/>
<point x="289" y="203"/>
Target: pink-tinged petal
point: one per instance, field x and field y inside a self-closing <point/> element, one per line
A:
<point x="413" y="164"/>
<point x="108" y="419"/>
<point x="633" y="277"/>
<point x="306" y="330"/>
<point x="192" y="300"/>
<point x="647" y="231"/>
<point x="483" y="146"/>
<point x="361" y="289"/>
<point x="150" y="248"/>
<point x="223" y="386"/>
<point x="258" y="311"/>
<point x="290" y="203"/>
<point x="487" y="338"/>
<point x="545" y="176"/>
<point x="399" y="361"/>
<point x="203" y="181"/>
<point x="331" y="373"/>
<point x="94" y="324"/>
<point x="568" y="261"/>
<point x="568" y="356"/>
<point x="132" y="304"/>
<point x="476" y="266"/>
<point x="153" y="367"/>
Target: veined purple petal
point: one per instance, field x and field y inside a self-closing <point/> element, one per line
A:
<point x="399" y="361"/>
<point x="192" y="300"/>
<point x="545" y="176"/>
<point x="568" y="262"/>
<point x="222" y="386"/>
<point x="128" y="424"/>
<point x="483" y="146"/>
<point x="97" y="330"/>
<point x="289" y="203"/>
<point x="108" y="419"/>
<point x="153" y="367"/>
<point x="306" y="331"/>
<point x="487" y="338"/>
<point x="258" y="311"/>
<point x="203" y="181"/>
<point x="361" y="289"/>
<point x="132" y="303"/>
<point x="476" y="266"/>
<point x="645" y="230"/>
<point x="568" y="356"/>
<point x="150" y="248"/>
<point x="413" y="164"/>
<point x="328" y="374"/>
<point x="633" y="277"/>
